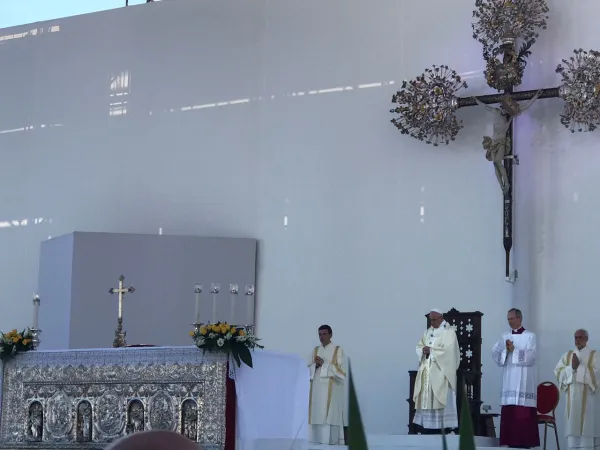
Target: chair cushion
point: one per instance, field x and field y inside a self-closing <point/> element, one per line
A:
<point x="545" y="418"/>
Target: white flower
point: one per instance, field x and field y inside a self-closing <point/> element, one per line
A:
<point x="228" y="336"/>
<point x="220" y="342"/>
<point x="240" y="338"/>
<point x="200" y="341"/>
<point x="212" y="335"/>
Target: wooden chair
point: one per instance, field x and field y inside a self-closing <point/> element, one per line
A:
<point x="548" y="397"/>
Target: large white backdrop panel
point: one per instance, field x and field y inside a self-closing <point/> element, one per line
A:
<point x="270" y="120"/>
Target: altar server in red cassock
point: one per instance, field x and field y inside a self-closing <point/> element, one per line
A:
<point x="515" y="352"/>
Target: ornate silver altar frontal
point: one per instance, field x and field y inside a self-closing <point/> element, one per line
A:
<point x="85" y="399"/>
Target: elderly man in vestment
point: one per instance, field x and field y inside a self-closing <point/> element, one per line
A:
<point x="326" y="415"/>
<point x="515" y="352"/>
<point x="435" y="386"/>
<point x="577" y="373"/>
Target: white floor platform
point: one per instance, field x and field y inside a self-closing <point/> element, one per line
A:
<point x="413" y="441"/>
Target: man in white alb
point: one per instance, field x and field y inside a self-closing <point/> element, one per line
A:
<point x="515" y="352"/>
<point x="435" y="386"/>
<point x="326" y="415"/>
<point x="577" y="373"/>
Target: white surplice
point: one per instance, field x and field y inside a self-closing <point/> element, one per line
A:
<point x="519" y="386"/>
<point x="326" y="415"/>
<point x="582" y="401"/>
<point x="435" y="385"/>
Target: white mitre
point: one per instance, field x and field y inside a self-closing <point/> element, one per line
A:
<point x="436" y="310"/>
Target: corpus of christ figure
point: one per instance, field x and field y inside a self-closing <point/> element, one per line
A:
<point x="498" y="147"/>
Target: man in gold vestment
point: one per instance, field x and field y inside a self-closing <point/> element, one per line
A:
<point x="326" y="415"/>
<point x="435" y="386"/>
<point x="577" y="374"/>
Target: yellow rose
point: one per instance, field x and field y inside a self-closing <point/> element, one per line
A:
<point x="224" y="329"/>
<point x="13" y="332"/>
<point x="26" y="341"/>
<point x="192" y="333"/>
<point x="242" y="333"/>
<point x="15" y="340"/>
<point x="203" y="331"/>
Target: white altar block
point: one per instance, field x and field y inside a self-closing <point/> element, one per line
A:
<point x="77" y="270"/>
<point x="272" y="402"/>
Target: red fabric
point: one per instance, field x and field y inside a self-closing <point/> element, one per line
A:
<point x="545" y="418"/>
<point x="519" y="331"/>
<point x="519" y="427"/>
<point x="547" y="397"/>
<point x="230" y="412"/>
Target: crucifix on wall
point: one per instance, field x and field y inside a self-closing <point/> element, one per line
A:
<point x="427" y="104"/>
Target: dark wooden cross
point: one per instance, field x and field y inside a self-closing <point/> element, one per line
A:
<point x="427" y="103"/>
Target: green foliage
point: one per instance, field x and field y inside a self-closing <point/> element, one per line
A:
<point x="465" y="429"/>
<point x="356" y="430"/>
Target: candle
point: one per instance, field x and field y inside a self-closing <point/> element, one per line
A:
<point x="215" y="288"/>
<point x="233" y="291"/>
<point x="250" y="297"/>
<point x="197" y="290"/>
<point x="36" y="311"/>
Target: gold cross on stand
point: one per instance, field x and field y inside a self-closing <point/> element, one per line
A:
<point x="119" y="340"/>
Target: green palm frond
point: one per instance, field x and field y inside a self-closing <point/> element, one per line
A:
<point x="356" y="430"/>
<point x="465" y="429"/>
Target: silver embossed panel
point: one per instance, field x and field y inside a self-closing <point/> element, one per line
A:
<point x="87" y="398"/>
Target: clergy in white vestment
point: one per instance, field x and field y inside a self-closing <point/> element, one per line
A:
<point x="577" y="372"/>
<point x="326" y="415"/>
<point x="515" y="352"/>
<point x="435" y="386"/>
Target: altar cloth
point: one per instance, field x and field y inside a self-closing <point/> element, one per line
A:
<point x="272" y="402"/>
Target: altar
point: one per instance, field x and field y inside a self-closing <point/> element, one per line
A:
<point x="85" y="399"/>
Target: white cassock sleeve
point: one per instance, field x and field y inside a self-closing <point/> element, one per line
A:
<point x="336" y="369"/>
<point x="310" y="362"/>
<point x="524" y="354"/>
<point x="591" y="375"/>
<point x="499" y="352"/>
<point x="564" y="372"/>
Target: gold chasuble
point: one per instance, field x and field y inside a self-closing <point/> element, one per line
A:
<point x="582" y="403"/>
<point x="326" y="415"/>
<point x="435" y="385"/>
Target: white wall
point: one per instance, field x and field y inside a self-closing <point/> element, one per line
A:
<point x="359" y="226"/>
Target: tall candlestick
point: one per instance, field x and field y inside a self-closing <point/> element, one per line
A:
<point x="36" y="312"/>
<point x="250" y="297"/>
<point x="215" y="288"/>
<point x="233" y="292"/>
<point x="198" y="291"/>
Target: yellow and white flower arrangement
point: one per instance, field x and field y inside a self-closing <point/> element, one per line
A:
<point x="14" y="342"/>
<point x="229" y="339"/>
